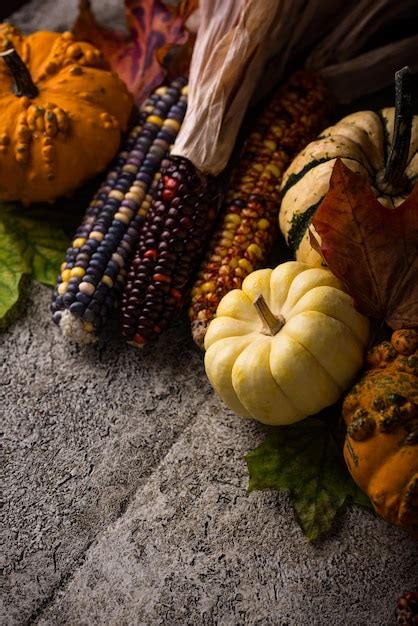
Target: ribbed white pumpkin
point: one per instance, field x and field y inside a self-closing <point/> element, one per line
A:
<point x="362" y="140"/>
<point x="312" y="356"/>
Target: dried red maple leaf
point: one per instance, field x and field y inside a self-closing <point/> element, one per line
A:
<point x="371" y="248"/>
<point x="154" y="30"/>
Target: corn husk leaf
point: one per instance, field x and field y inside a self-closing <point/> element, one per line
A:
<point x="234" y="40"/>
<point x="344" y="59"/>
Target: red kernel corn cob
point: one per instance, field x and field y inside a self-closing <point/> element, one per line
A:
<point x="170" y="244"/>
<point x="247" y="229"/>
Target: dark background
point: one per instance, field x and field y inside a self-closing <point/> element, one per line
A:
<point x="9" y="6"/>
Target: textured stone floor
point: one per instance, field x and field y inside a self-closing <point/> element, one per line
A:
<point x="125" y="491"/>
<point x="126" y="500"/>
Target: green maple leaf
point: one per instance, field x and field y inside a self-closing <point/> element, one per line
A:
<point x="305" y="459"/>
<point x="30" y="245"/>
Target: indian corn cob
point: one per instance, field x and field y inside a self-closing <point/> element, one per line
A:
<point x="171" y="241"/>
<point x="247" y="228"/>
<point x="94" y="270"/>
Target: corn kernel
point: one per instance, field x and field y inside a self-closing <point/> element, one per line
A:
<point x="62" y="288"/>
<point x="77" y="272"/>
<point x="63" y="266"/>
<point x="130" y="167"/>
<point x="136" y="195"/>
<point x="209" y="286"/>
<point x="87" y="288"/>
<point x="277" y="130"/>
<point x="155" y="119"/>
<point x="117" y="258"/>
<point x="106" y="280"/>
<point x="121" y="217"/>
<point x="126" y="211"/>
<point x="246" y="265"/>
<point x="116" y="194"/>
<point x="255" y="250"/>
<point x="233" y="263"/>
<point x="139" y="184"/>
<point x="66" y="275"/>
<point x="172" y="124"/>
<point x="79" y="241"/>
<point x="233" y="217"/>
<point x="95" y="234"/>
<point x="271" y="145"/>
<point x="221" y="251"/>
<point x="263" y="224"/>
<point x="273" y="169"/>
<point x="88" y="327"/>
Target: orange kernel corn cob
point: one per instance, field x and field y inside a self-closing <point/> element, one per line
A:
<point x="247" y="228"/>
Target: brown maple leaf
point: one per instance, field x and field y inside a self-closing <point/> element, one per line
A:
<point x="371" y="248"/>
<point x="157" y="38"/>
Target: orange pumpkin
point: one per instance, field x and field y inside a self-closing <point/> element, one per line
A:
<point x="61" y="114"/>
<point x="381" y="446"/>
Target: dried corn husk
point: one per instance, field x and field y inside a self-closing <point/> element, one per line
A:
<point x="234" y="40"/>
<point x="237" y="38"/>
<point x="350" y="75"/>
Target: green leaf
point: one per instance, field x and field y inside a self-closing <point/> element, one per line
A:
<point x="13" y="268"/>
<point x="305" y="459"/>
<point x="44" y="245"/>
<point x="29" y="246"/>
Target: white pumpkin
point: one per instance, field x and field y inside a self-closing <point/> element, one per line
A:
<point x="286" y="345"/>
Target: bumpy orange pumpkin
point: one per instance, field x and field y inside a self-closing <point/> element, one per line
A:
<point x="61" y="114"/>
<point x="381" y="446"/>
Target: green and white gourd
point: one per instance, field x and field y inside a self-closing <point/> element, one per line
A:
<point x="383" y="146"/>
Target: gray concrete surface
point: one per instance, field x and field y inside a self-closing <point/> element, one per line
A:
<point x="126" y="500"/>
<point x="125" y="489"/>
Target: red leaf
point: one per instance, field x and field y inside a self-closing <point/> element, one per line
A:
<point x="154" y="30"/>
<point x="371" y="248"/>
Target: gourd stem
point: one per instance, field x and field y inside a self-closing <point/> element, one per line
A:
<point x="23" y="85"/>
<point x="398" y="157"/>
<point x="272" y="323"/>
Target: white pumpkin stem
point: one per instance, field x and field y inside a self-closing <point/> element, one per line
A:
<point x="23" y="83"/>
<point x="271" y="323"/>
<point x="398" y="157"/>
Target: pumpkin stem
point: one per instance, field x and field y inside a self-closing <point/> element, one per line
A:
<point x="23" y="85"/>
<point x="272" y="323"/>
<point x="398" y="157"/>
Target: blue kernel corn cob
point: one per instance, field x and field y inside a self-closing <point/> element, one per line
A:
<point x="92" y="276"/>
